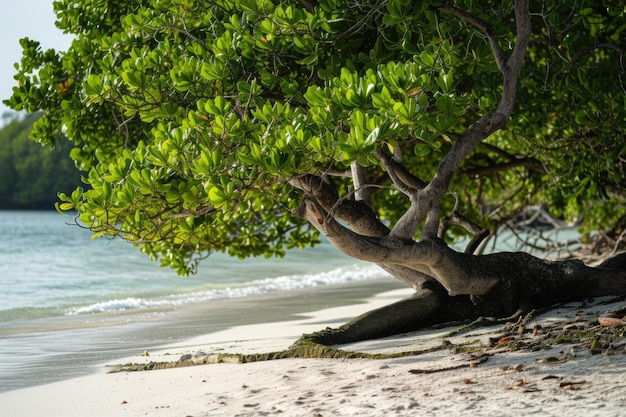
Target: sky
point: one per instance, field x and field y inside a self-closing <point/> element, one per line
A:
<point x="25" y="18"/>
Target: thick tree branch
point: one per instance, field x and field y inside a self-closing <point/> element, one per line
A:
<point x="409" y="276"/>
<point x="393" y="168"/>
<point x="429" y="197"/>
<point x="431" y="225"/>
<point x="397" y="171"/>
<point x="457" y="273"/>
<point x="321" y="189"/>
<point x="515" y="61"/>
<point x="357" y="214"/>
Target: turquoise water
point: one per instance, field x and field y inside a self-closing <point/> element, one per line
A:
<point x="50" y="267"/>
<point x="69" y="303"/>
<point x="67" y="299"/>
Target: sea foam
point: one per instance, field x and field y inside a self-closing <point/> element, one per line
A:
<point x="251" y="288"/>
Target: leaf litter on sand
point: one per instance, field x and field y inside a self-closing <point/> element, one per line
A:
<point x="575" y="338"/>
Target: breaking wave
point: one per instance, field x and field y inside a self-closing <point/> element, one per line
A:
<point x="251" y="288"/>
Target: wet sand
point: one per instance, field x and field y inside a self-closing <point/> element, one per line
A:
<point x="68" y="347"/>
<point x="562" y="380"/>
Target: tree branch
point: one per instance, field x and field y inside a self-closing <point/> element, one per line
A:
<point x="401" y="173"/>
<point x="515" y="61"/>
<point x="456" y="219"/>
<point x="597" y="46"/>
<point x="359" y="216"/>
<point x="409" y="276"/>
<point x="530" y="163"/>
<point x="393" y="169"/>
<point x="361" y="192"/>
<point x="430" y="196"/>
<point x="485" y="27"/>
<point x="458" y="273"/>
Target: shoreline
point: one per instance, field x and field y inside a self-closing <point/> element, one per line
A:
<point x="47" y="356"/>
<point x="563" y="379"/>
<point x="267" y="336"/>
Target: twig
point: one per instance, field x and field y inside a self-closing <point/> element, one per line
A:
<point x="470" y="364"/>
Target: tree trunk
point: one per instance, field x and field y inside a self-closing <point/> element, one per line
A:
<point x="526" y="283"/>
<point x="450" y="286"/>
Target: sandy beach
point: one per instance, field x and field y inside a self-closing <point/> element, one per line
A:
<point x="567" y="379"/>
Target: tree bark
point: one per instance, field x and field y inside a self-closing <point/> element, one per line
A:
<point x="429" y="258"/>
<point x="528" y="283"/>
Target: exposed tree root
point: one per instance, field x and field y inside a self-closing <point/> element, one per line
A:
<point x="538" y="286"/>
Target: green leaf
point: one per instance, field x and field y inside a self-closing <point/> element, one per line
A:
<point x="217" y="106"/>
<point x="445" y="104"/>
<point x="445" y="82"/>
<point x="372" y="137"/>
<point x="217" y="196"/>
<point x="248" y="5"/>
<point x="421" y="149"/>
<point x="66" y="206"/>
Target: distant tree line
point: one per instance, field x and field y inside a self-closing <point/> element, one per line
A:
<point x="31" y="175"/>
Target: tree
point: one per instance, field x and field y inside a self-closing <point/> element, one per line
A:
<point x="31" y="175"/>
<point x="392" y="127"/>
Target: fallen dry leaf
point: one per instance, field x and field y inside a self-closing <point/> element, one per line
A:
<point x="571" y="385"/>
<point x="611" y="319"/>
<point x="595" y="344"/>
<point x="554" y="359"/>
<point x="574" y="326"/>
<point x="504" y="340"/>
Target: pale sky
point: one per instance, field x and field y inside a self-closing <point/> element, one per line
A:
<point x="25" y="18"/>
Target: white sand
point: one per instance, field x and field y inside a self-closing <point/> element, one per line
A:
<point x="562" y="381"/>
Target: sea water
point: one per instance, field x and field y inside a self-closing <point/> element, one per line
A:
<point x="67" y="300"/>
<point x="69" y="303"/>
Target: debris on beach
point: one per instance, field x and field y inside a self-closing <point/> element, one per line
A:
<point x="612" y="319"/>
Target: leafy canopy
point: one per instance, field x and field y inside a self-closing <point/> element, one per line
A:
<point x="189" y="117"/>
